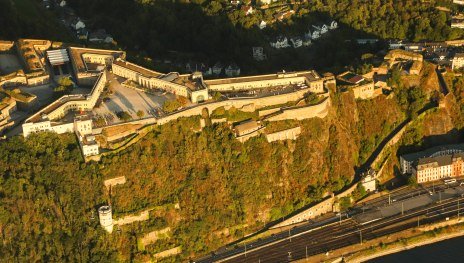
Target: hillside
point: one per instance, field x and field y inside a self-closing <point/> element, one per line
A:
<point x="29" y="19"/>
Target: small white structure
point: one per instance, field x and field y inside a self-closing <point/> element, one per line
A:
<point x="395" y="44"/>
<point x="248" y="10"/>
<point x="217" y="68"/>
<point x="262" y="25"/>
<point x="258" y="53"/>
<point x="280" y="42"/>
<point x="307" y="41"/>
<point x="333" y="25"/>
<point x="322" y="29"/>
<point x="63" y="3"/>
<point x="232" y="70"/>
<point x="368" y="180"/>
<point x="296" y="42"/>
<point x="106" y="218"/>
<point x="316" y="34"/>
<point x="77" y="24"/>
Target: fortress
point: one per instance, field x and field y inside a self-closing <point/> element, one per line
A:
<point x="92" y="66"/>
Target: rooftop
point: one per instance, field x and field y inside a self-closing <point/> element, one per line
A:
<point x="78" y="61"/>
<point x="144" y="71"/>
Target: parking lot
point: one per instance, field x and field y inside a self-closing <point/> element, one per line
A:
<point x="130" y="101"/>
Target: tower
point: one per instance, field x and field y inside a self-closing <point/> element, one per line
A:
<point x="106" y="218"/>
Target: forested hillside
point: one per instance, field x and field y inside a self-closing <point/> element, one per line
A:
<point x="210" y="30"/>
<point x="49" y="197"/>
<point x="29" y="19"/>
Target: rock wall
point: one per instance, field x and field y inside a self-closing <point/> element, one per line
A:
<point x="289" y="134"/>
<point x="168" y="253"/>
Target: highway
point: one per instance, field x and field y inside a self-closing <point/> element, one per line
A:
<point x="337" y="232"/>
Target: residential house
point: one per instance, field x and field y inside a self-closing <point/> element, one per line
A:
<point x="205" y="70"/>
<point x="100" y="36"/>
<point x="333" y="25"/>
<point x="248" y="10"/>
<point x="77" y="24"/>
<point x="307" y="40"/>
<point x="217" y="68"/>
<point x="258" y="53"/>
<point x="232" y="70"/>
<point x="82" y="34"/>
<point x="316" y="34"/>
<point x="458" y="61"/>
<point x="262" y="25"/>
<point x="321" y="28"/>
<point x="457" y="22"/>
<point x="296" y="42"/>
<point x="280" y="42"/>
<point x="395" y="44"/>
<point x="283" y="15"/>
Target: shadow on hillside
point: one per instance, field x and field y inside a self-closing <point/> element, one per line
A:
<point x="176" y="33"/>
<point x="452" y="137"/>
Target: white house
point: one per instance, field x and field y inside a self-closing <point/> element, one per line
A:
<point x="322" y="29"/>
<point x="307" y="40"/>
<point x="296" y="42"/>
<point x="316" y="34"/>
<point x="280" y="42"/>
<point x="395" y="44"/>
<point x="217" y="68"/>
<point x="63" y="3"/>
<point x="205" y="70"/>
<point x="77" y="24"/>
<point x="232" y="70"/>
<point x="262" y="25"/>
<point x="258" y="53"/>
<point x="333" y="25"/>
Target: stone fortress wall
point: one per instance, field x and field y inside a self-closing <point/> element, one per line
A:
<point x="289" y="134"/>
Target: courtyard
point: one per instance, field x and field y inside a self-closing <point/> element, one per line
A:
<point x="9" y="63"/>
<point x="130" y="101"/>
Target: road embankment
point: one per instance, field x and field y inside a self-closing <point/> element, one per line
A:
<point x="394" y="243"/>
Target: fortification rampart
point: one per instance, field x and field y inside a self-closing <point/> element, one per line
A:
<point x="132" y="218"/>
<point x="305" y="112"/>
<point x="114" y="181"/>
<point x="289" y="134"/>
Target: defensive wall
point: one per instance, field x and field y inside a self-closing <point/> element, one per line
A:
<point x="168" y="253"/>
<point x="320" y="208"/>
<point x="6" y="45"/>
<point x="143" y="216"/>
<point x="155" y="235"/>
<point x="114" y="181"/>
<point x="289" y="134"/>
<point x="304" y="112"/>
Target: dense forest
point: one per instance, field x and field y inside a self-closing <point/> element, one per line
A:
<point x="29" y="19"/>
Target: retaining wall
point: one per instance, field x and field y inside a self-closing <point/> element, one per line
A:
<point x="132" y="218"/>
<point x="289" y="134"/>
<point x="300" y="113"/>
<point x="114" y="181"/>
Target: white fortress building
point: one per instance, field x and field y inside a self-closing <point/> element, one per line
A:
<point x="106" y="218"/>
<point x="190" y="86"/>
